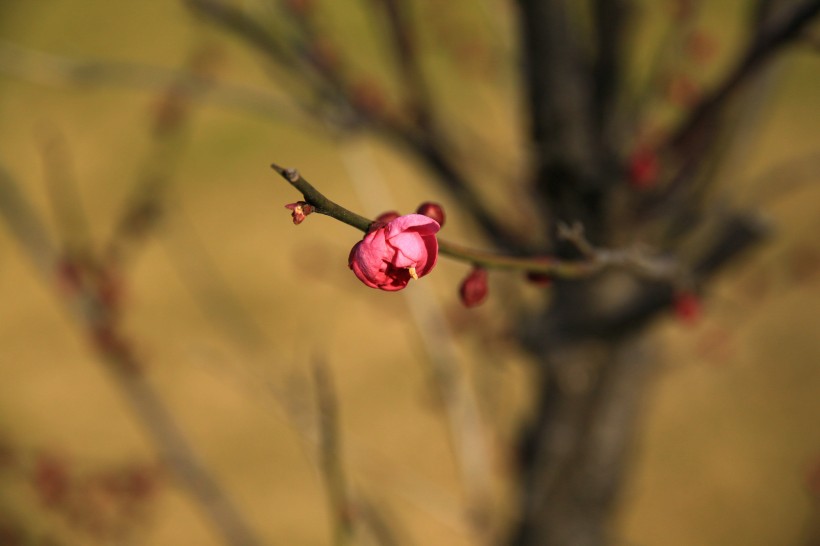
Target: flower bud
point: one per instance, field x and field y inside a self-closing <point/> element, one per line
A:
<point x="432" y="210"/>
<point x="368" y="98"/>
<point x="393" y="253"/>
<point x="299" y="7"/>
<point x="539" y="279"/>
<point x="687" y="307"/>
<point x="643" y="168"/>
<point x="474" y="287"/>
<point x="382" y="220"/>
<point x="300" y="210"/>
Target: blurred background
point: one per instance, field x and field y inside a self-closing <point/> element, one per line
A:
<point x="231" y="309"/>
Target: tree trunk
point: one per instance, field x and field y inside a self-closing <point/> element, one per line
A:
<point x="574" y="452"/>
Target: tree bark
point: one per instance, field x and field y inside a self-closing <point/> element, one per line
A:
<point x="574" y="453"/>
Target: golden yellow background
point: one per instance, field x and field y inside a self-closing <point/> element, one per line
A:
<point x="731" y="427"/>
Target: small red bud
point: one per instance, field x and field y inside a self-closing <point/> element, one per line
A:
<point x="300" y="210"/>
<point x="701" y="46"/>
<point x="324" y="54"/>
<point x="643" y="168"/>
<point x="383" y="219"/>
<point x="539" y="279"/>
<point x="69" y="276"/>
<point x="51" y="479"/>
<point x="683" y="91"/>
<point x="299" y="7"/>
<point x="368" y="98"/>
<point x="432" y="210"/>
<point x="474" y="287"/>
<point x="687" y="307"/>
<point x="387" y="216"/>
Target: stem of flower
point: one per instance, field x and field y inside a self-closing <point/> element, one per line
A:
<point x="322" y="204"/>
<point x="595" y="260"/>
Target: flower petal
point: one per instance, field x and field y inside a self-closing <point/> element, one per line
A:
<point x="417" y="222"/>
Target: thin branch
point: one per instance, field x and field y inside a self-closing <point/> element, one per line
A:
<point x="322" y="204"/>
<point x="70" y="218"/>
<point x="558" y="83"/>
<point x="145" y="206"/>
<point x="26" y="226"/>
<point x="465" y="427"/>
<point x="701" y="138"/>
<point x="611" y="18"/>
<point x="770" y="40"/>
<point x="250" y="29"/>
<point x="57" y="70"/>
<point x="406" y="53"/>
<point x="330" y="455"/>
<point x="330" y="86"/>
<point x="93" y="310"/>
<point x="634" y="258"/>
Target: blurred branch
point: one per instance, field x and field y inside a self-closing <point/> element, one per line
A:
<point x="57" y="70"/>
<point x="26" y="226"/>
<point x="701" y="142"/>
<point x="461" y="412"/>
<point x="249" y="29"/>
<point x="773" y="35"/>
<point x="735" y="236"/>
<point x="327" y="81"/>
<point x="405" y="50"/>
<point x="171" y="118"/>
<point x="87" y="296"/>
<point x="330" y="456"/>
<point x="558" y="83"/>
<point x="611" y="25"/>
<point x="462" y="415"/>
<point x="378" y="525"/>
<point x="70" y="218"/>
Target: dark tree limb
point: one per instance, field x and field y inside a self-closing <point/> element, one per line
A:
<point x="557" y="80"/>
<point x="419" y="138"/>
<point x="405" y="51"/>
<point x="593" y="370"/>
<point x="769" y="40"/>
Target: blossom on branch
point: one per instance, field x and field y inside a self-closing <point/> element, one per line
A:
<point x="300" y="210"/>
<point x="393" y="253"/>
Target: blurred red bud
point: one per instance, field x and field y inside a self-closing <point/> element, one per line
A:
<point x="367" y="97"/>
<point x="324" y="54"/>
<point x="474" y="287"/>
<point x="383" y="219"/>
<point x="683" y="91"/>
<point x="539" y="279"/>
<point x="643" y="168"/>
<point x="687" y="307"/>
<point x="51" y="479"/>
<point x="299" y="7"/>
<point x="432" y="210"/>
<point x="701" y="46"/>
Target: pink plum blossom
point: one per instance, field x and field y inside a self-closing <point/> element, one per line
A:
<point x="393" y="253"/>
